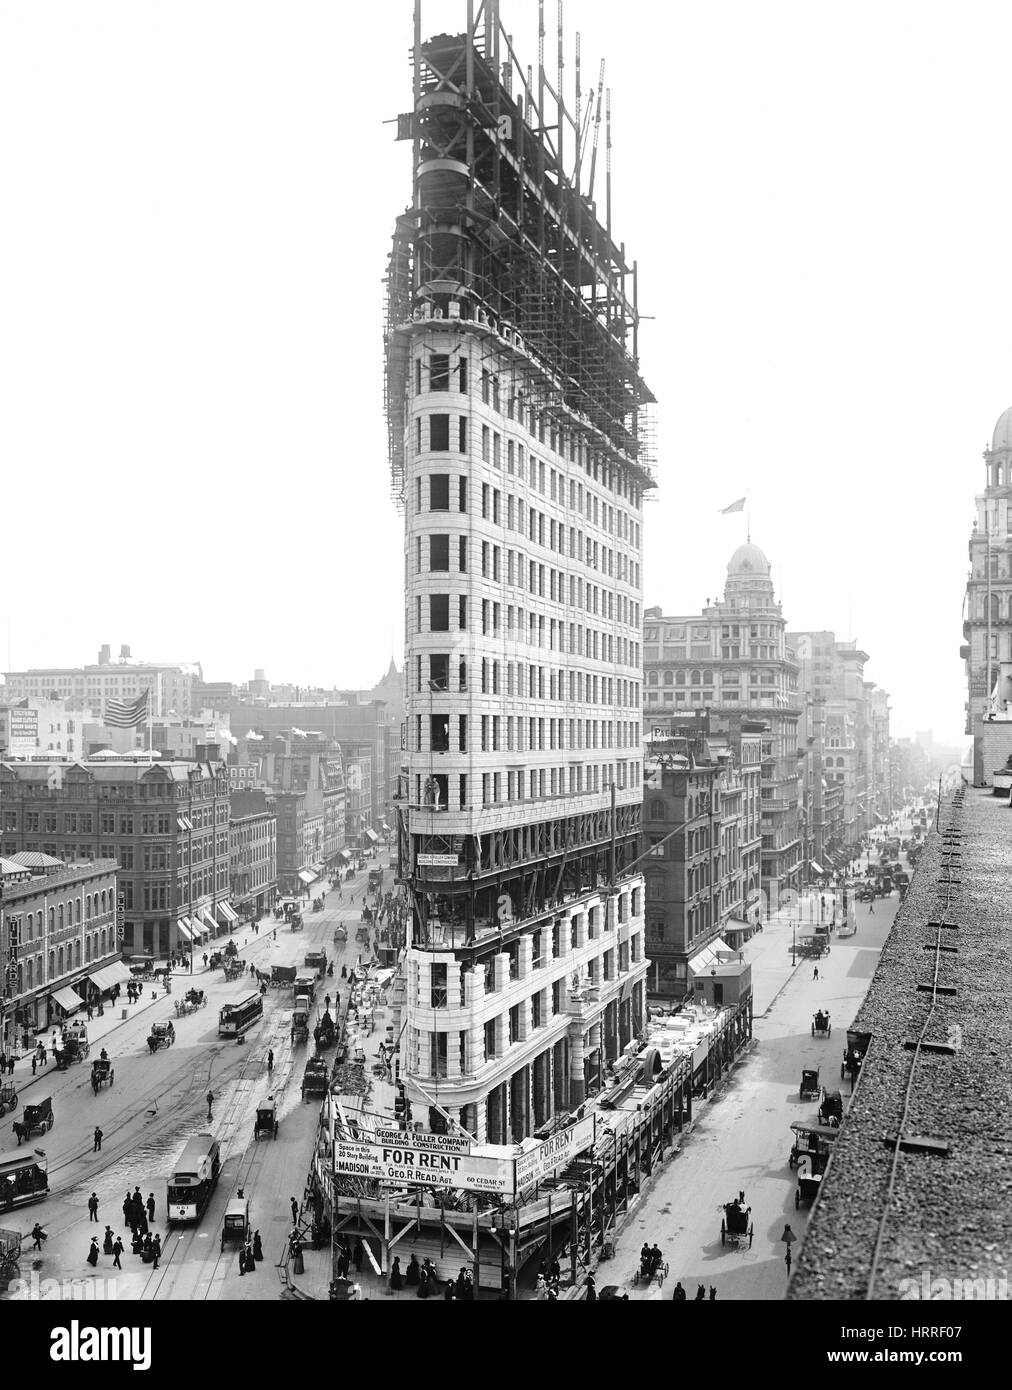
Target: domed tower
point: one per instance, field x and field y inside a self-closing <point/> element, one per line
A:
<point x="748" y="579"/>
<point x="987" y="611"/>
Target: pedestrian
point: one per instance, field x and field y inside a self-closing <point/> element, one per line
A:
<point x="156" y="1253"/>
<point x="117" y="1250"/>
<point x="35" y="1061"/>
<point x="90" y="1013"/>
<point x="93" y="1207"/>
<point x="205" y="960"/>
<point x="413" y="1273"/>
<point x="101" y="1009"/>
<point x="107" y="1242"/>
<point x="38" y="1236"/>
<point x="679" y="1294"/>
<point x="42" y="1054"/>
<point x="713" y="1294"/>
<point x="258" y="1249"/>
<point x="700" y="1293"/>
<point x="871" y="906"/>
<point x="591" y="1289"/>
<point x="815" y="973"/>
<point x="128" y="1208"/>
<point x="295" y="1212"/>
<point x="242" y="1259"/>
<point x="137" y="1242"/>
<point x="210" y="1102"/>
<point x="151" y="1207"/>
<point x="396" y="1277"/>
<point x="448" y="1294"/>
<point x="98" y="1140"/>
<point x="10" y="1065"/>
<point x="92" y="1255"/>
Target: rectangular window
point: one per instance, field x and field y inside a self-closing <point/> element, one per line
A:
<point x="439" y="552"/>
<point x="439" y="432"/>
<point x="439" y="612"/>
<point x="439" y="372"/>
<point x="439" y="670"/>
<point x="462" y="434"/>
<point x="462" y="494"/>
<point x="462" y="554"/>
<point x="439" y="492"/>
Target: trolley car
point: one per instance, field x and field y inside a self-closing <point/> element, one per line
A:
<point x="194" y="1179"/>
<point x="24" y="1178"/>
<point x="236" y="1019"/>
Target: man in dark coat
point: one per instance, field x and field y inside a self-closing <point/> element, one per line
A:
<point x="93" y="1207"/>
<point x="151" y="1207"/>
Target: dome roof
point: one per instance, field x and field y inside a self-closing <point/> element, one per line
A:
<point x="1002" y="438"/>
<point x="748" y="560"/>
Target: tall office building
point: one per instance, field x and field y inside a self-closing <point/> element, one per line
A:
<point x="987" y="612"/>
<point x="519" y="455"/>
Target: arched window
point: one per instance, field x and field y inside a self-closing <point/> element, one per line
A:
<point x="657" y="809"/>
<point x="52" y="919"/>
<point x="103" y="902"/>
<point x="103" y="941"/>
<point x="995" y="608"/>
<point x="87" y="949"/>
<point x="30" y="975"/>
<point x="77" y="911"/>
<point x="707" y="677"/>
<point x="52" y="962"/>
<point x="77" y="953"/>
<point x="59" y="961"/>
<point x="679" y="677"/>
<point x="87" y="907"/>
<point x="695" y="678"/>
<point x="652" y="678"/>
<point x="669" y="677"/>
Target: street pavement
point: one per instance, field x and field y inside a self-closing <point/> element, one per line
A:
<point x="742" y="1138"/>
<point x="158" y="1102"/>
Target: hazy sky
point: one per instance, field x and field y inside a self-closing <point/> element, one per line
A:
<point x="198" y="198"/>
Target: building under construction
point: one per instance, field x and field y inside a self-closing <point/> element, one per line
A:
<point x="520" y="455"/>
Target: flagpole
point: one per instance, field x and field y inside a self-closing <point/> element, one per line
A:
<point x="748" y="519"/>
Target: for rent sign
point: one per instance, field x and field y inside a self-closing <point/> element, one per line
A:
<point x="406" y="1163"/>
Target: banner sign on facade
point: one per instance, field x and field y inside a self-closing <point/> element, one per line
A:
<point x="438" y="861"/>
<point x="554" y="1153"/>
<point x="399" y="1163"/>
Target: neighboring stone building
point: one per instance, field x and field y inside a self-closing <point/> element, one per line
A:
<point x="166" y="825"/>
<point x="987" y="612"/>
<point x="59" y="925"/>
<point x="701" y="827"/>
<point x="171" y="684"/>
<point x="253" y="851"/>
<point x="733" y="660"/>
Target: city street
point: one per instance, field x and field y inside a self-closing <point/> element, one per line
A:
<point x="158" y="1102"/>
<point x="742" y="1138"/>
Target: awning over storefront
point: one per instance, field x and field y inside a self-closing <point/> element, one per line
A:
<point x="700" y="963"/>
<point x="370" y="835"/>
<point x="210" y="925"/>
<point x="735" y="927"/>
<point x="110" y="975"/>
<point x="384" y="827"/>
<point x="67" y="999"/>
<point x="185" y="928"/>
<point x="228" y="912"/>
<point x="306" y="877"/>
<point x="341" y="856"/>
<point x="817" y="867"/>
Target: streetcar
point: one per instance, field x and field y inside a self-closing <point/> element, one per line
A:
<point x="196" y="1174"/>
<point x="236" y="1019"/>
<point x="24" y="1178"/>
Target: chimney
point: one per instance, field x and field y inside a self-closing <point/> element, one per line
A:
<point x="207" y="752"/>
<point x="104" y="654"/>
<point x="124" y="653"/>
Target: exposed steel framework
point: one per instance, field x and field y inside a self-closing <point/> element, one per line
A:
<point x="504" y="231"/>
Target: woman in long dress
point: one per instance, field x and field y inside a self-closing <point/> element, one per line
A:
<point x="413" y="1271"/>
<point x="396" y="1277"/>
<point x="92" y="1255"/>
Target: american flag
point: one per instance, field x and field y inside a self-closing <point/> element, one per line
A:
<point x="126" y="714"/>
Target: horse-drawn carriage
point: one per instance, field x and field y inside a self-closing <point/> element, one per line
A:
<point x="192" y="1000"/>
<point x="234" y="967"/>
<point x="821" y="1026"/>
<point x="37" y="1119"/>
<point x="74" y="1048"/>
<point x="853" y="1055"/>
<point x="810" y="1155"/>
<point x="736" y="1226"/>
<point x="340" y="934"/>
<point x="325" y="1032"/>
<point x="267" y="1119"/>
<point x="296" y="922"/>
<point x="8" y="1097"/>
<point x="102" y="1073"/>
<point x="316" y="960"/>
<point x="315" y="1078"/>
<point x="810" y="1088"/>
<point x="831" y="1109"/>
<point x="161" y="1035"/>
